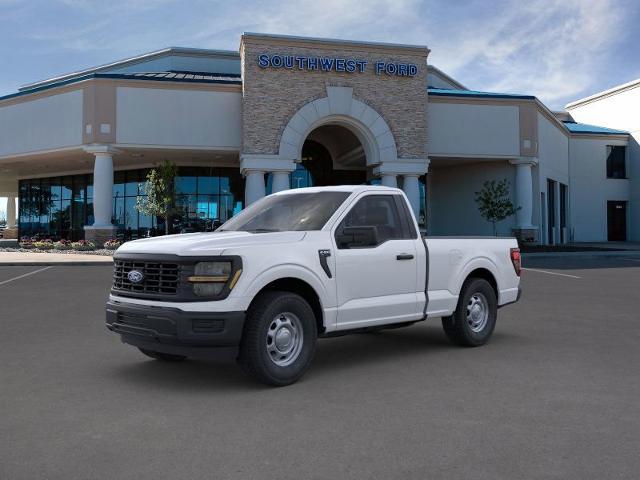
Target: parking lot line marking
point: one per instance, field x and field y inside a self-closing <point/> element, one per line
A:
<point x="25" y="275"/>
<point x="632" y="259"/>
<point x="551" y="273"/>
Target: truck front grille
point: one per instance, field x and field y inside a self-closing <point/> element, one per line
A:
<point x="158" y="278"/>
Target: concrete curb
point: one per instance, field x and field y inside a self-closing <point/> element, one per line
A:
<point x="600" y="254"/>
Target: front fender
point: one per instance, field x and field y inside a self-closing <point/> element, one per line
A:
<point x="292" y="270"/>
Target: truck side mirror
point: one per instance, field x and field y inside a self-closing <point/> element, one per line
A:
<point x="354" y="237"/>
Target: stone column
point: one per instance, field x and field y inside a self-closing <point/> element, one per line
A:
<point x="524" y="230"/>
<point x="410" y="170"/>
<point x="253" y="167"/>
<point x="280" y="181"/>
<point x="11" y="212"/>
<point x="254" y="187"/>
<point x="389" y="180"/>
<point x="411" y="189"/>
<point x="102" y="228"/>
<point x="11" y="232"/>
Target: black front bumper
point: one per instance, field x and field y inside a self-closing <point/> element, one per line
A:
<point x="170" y="330"/>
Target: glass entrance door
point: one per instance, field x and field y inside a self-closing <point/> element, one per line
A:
<point x="551" y="211"/>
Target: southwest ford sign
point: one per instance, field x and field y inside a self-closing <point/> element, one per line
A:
<point x="334" y="64"/>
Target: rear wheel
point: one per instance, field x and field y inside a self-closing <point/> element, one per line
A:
<point x="279" y="338"/>
<point x="474" y="320"/>
<point x="167" y="357"/>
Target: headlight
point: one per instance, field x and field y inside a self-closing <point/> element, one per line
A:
<point x="210" y="278"/>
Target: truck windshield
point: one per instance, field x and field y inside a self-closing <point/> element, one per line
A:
<point x="279" y="213"/>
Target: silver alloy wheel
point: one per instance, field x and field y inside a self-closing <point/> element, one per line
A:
<point x="477" y="312"/>
<point x="284" y="339"/>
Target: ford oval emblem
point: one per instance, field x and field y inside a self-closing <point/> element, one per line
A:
<point x="135" y="276"/>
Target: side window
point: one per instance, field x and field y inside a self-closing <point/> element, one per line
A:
<point x="372" y="221"/>
<point x="616" y="161"/>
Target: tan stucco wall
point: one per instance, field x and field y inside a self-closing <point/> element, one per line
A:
<point x="272" y="96"/>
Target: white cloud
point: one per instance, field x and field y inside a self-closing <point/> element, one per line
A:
<point x="349" y="19"/>
<point x="548" y="48"/>
<point x="553" y="49"/>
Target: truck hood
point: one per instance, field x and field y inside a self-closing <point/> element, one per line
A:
<point x="210" y="243"/>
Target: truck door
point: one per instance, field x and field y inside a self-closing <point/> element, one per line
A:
<point x="376" y="264"/>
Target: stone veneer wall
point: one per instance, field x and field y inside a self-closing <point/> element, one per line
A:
<point x="271" y="96"/>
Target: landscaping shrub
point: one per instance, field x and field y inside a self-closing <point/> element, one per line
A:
<point x="43" y="244"/>
<point x="62" y="245"/>
<point x="26" y="242"/>
<point x="83" y="245"/>
<point x="112" y="244"/>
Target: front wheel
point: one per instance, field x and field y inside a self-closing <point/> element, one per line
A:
<point x="279" y="338"/>
<point x="472" y="324"/>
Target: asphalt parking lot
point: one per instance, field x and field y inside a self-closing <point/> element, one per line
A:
<point x="556" y="394"/>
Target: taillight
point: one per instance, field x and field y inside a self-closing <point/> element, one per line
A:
<point x="516" y="260"/>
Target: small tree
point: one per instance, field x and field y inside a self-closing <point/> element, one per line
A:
<point x="494" y="203"/>
<point x="160" y="193"/>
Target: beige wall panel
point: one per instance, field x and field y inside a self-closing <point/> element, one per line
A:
<point x="195" y="118"/>
<point x="42" y="124"/>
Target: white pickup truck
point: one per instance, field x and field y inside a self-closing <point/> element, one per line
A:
<point x="303" y="264"/>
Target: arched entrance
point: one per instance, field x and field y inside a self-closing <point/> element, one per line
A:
<point x="332" y="155"/>
<point x="347" y="118"/>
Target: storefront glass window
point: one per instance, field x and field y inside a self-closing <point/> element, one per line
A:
<point x="60" y="207"/>
<point x="206" y="198"/>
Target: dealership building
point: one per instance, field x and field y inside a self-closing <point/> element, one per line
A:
<point x="288" y="112"/>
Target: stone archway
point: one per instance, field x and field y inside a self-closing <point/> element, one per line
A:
<point x="340" y="108"/>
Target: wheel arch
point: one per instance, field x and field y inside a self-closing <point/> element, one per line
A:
<point x="299" y="287"/>
<point x="479" y="268"/>
<point x="485" y="274"/>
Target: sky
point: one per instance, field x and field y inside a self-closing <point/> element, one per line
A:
<point x="558" y="50"/>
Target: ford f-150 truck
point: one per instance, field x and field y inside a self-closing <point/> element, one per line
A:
<point x="302" y="264"/>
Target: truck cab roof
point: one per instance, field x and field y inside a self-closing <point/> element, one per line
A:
<point x="340" y="188"/>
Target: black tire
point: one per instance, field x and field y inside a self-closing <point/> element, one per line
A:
<point x="166" y="357"/>
<point x="266" y="318"/>
<point x="462" y="328"/>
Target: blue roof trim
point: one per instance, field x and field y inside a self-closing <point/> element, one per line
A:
<point x="575" y="127"/>
<point x="445" y="92"/>
<point x="226" y="79"/>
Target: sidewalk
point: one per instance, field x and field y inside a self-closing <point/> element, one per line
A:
<point x="592" y="253"/>
<point x="37" y="259"/>
<point x="617" y="245"/>
<point x="618" y="249"/>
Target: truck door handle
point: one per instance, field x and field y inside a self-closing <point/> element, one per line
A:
<point x="404" y="256"/>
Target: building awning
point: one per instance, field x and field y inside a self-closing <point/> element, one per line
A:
<point x="575" y="127"/>
<point x="445" y="92"/>
<point x="170" y="76"/>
